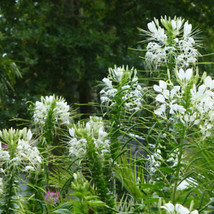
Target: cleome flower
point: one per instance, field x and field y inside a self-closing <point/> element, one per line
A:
<point x="202" y="99"/>
<point x="19" y="150"/>
<point x="55" y="106"/>
<point x="82" y="133"/>
<point x="169" y="99"/>
<point x="170" y="41"/>
<point x="187" y="102"/>
<point x="122" y="84"/>
<point x="177" y="209"/>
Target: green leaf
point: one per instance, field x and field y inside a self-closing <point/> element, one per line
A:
<point x="62" y="211"/>
<point x="96" y="203"/>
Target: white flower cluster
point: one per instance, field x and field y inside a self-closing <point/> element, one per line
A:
<point x="4" y="155"/>
<point x="201" y="101"/>
<point x="122" y="83"/>
<point x="20" y="150"/>
<point x="55" y="105"/>
<point x="27" y="153"/>
<point x="155" y="160"/>
<point x="169" y="99"/>
<point x="173" y="41"/>
<point x="172" y="99"/>
<point x="81" y="133"/>
<point x="177" y="209"/>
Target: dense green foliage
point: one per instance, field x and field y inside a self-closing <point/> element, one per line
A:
<point x="62" y="46"/>
<point x="147" y="148"/>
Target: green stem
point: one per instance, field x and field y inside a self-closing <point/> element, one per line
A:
<point x="10" y="192"/>
<point x="177" y="173"/>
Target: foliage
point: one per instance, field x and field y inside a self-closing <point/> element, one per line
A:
<point x="149" y="150"/>
<point x="64" y="47"/>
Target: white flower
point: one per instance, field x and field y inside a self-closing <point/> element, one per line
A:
<point x="107" y="82"/>
<point x="162" y="86"/>
<point x="157" y="33"/>
<point x="178" y="209"/>
<point x="209" y="83"/>
<point x="118" y="73"/>
<point x="129" y="88"/>
<point x="169" y="207"/>
<point x="160" y="110"/>
<point x="174" y="25"/>
<point x="57" y="105"/>
<point x="182" y="50"/>
<point x="94" y="131"/>
<point x="185" y="75"/>
<point x="181" y="209"/>
<point x="102" y="134"/>
<point x="176" y="108"/>
<point x="71" y="132"/>
<point x="174" y="91"/>
<point x="160" y="98"/>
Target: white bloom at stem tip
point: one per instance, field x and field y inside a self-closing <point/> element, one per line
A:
<point x="181" y="209"/>
<point x="169" y="207"/>
<point x="182" y="75"/>
<point x="162" y="86"/>
<point x="178" y="209"/>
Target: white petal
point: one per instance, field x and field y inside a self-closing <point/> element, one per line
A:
<point x="151" y="26"/>
<point x="166" y="94"/>
<point x="157" y="88"/>
<point x="162" y="84"/>
<point x="208" y="81"/>
<point x="173" y="23"/>
<point x="201" y="89"/>
<point x="107" y="82"/>
<point x="181" y="209"/>
<point x="71" y="132"/>
<point x="160" y="110"/>
<point x="194" y="212"/>
<point x="181" y="74"/>
<point x="179" y="23"/>
<point x="187" y="29"/>
<point x="188" y="74"/>
<point x="29" y="135"/>
<point x="160" y="98"/>
<point x="169" y="207"/>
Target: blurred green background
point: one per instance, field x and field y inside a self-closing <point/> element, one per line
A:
<point x="66" y="46"/>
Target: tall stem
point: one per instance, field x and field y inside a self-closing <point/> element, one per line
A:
<point x="10" y="192"/>
<point x="178" y="168"/>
